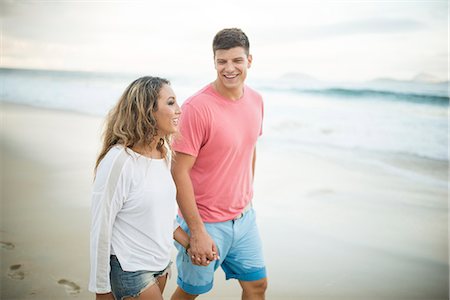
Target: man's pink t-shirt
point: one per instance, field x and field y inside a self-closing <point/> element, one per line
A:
<point x="222" y="135"/>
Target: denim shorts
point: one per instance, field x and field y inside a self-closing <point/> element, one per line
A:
<point x="240" y="251"/>
<point x="131" y="284"/>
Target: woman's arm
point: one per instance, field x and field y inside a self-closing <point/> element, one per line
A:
<point x="111" y="187"/>
<point x="181" y="237"/>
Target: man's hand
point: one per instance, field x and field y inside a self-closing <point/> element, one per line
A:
<point x="203" y="250"/>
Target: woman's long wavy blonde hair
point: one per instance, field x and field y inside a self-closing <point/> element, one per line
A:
<point x="131" y="121"/>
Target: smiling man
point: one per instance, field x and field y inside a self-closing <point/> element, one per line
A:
<point x="213" y="171"/>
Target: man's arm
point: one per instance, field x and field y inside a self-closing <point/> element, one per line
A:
<point x="202" y="247"/>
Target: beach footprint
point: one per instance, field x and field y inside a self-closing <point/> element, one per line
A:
<point x="71" y="287"/>
<point x="15" y="272"/>
<point x="7" y="245"/>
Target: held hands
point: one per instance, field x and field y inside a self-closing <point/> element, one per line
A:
<point x="202" y="249"/>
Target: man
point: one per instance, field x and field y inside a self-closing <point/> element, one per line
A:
<point x="213" y="170"/>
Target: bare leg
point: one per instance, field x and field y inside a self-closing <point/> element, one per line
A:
<point x="162" y="282"/>
<point x="151" y="293"/>
<point x="254" y="290"/>
<point x="179" y="294"/>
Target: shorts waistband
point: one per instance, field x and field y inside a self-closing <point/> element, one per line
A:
<point x="246" y="209"/>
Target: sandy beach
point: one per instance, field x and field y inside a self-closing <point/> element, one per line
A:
<point x="336" y="224"/>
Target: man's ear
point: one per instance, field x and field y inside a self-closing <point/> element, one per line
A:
<point x="249" y="59"/>
<point x="214" y="62"/>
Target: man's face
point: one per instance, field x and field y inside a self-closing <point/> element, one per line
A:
<point x="231" y="66"/>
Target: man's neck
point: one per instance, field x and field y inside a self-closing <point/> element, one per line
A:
<point x="231" y="94"/>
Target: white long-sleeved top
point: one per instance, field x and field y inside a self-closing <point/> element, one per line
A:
<point x="133" y="215"/>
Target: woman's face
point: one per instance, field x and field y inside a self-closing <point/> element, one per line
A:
<point x="168" y="113"/>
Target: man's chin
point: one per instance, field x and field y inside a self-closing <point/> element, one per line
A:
<point x="231" y="85"/>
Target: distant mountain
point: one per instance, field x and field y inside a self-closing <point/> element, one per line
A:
<point x="387" y="80"/>
<point x="426" y="78"/>
<point x="421" y="84"/>
<point x="419" y="78"/>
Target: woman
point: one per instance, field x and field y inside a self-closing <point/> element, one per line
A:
<point x="134" y="196"/>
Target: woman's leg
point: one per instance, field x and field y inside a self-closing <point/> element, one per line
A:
<point x="150" y="293"/>
<point x="161" y="280"/>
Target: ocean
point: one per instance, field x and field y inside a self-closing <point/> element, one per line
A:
<point x="383" y="116"/>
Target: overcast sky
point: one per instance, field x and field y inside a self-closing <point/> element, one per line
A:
<point x="331" y="40"/>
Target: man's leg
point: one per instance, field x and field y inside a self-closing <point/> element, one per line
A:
<point x="254" y="290"/>
<point x="245" y="261"/>
<point x="179" y="294"/>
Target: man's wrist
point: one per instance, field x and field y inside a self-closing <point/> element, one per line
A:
<point x="198" y="230"/>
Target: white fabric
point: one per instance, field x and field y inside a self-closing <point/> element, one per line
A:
<point x="133" y="215"/>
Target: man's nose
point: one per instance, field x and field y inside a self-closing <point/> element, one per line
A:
<point x="229" y="66"/>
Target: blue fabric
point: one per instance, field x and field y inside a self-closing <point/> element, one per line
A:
<point x="130" y="284"/>
<point x="240" y="251"/>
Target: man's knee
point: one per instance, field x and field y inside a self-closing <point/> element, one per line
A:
<point x="260" y="286"/>
<point x="257" y="287"/>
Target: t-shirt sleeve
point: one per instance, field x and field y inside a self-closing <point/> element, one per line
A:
<point x="192" y="131"/>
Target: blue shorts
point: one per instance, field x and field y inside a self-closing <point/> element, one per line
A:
<point x="240" y="251"/>
<point x="131" y="284"/>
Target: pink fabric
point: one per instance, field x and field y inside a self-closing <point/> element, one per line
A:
<point x="222" y="135"/>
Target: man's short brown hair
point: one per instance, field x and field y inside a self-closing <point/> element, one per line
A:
<point x="229" y="38"/>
